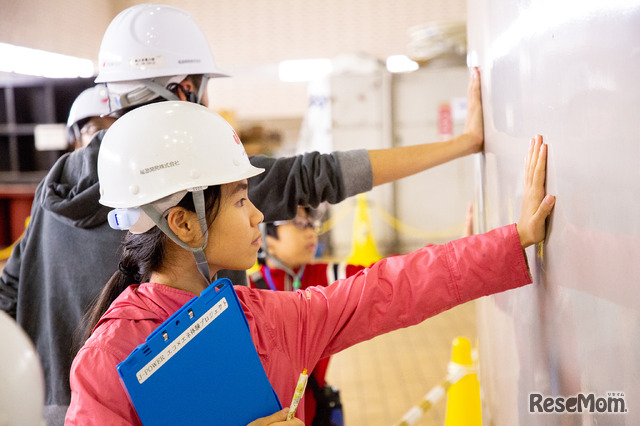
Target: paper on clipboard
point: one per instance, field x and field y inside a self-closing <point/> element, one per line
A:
<point x="200" y="366"/>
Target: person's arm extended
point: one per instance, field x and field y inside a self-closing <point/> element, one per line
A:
<point x="395" y="163"/>
<point x="307" y="180"/>
<point x="312" y="178"/>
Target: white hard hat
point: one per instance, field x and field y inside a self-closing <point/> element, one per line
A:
<point x="152" y="40"/>
<point x="152" y="155"/>
<point x="168" y="148"/>
<point x="21" y="377"/>
<point x="92" y="102"/>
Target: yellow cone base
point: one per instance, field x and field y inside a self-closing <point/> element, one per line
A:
<point x="463" y="397"/>
<point x="363" y="246"/>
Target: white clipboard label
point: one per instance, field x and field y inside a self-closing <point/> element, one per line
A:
<point x="178" y="343"/>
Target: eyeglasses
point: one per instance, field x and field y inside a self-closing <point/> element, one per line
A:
<point x="301" y="224"/>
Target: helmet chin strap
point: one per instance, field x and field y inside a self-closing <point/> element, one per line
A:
<point x="151" y="90"/>
<point x="198" y="252"/>
<point x="160" y="90"/>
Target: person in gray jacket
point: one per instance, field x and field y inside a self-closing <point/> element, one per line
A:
<point x="69" y="251"/>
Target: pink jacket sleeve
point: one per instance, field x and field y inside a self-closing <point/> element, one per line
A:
<point x="394" y="293"/>
<point x="402" y="291"/>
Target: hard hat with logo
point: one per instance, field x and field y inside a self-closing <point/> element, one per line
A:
<point x="167" y="147"/>
<point x="92" y="102"/>
<point x="152" y="156"/>
<point x="153" y="40"/>
<point x="146" y="47"/>
<point x="21" y="377"/>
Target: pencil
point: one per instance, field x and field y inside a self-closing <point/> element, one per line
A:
<point x="297" y="395"/>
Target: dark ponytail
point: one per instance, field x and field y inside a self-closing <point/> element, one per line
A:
<point x="142" y="255"/>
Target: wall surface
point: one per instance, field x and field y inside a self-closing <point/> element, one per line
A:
<point x="568" y="71"/>
<point x="69" y="27"/>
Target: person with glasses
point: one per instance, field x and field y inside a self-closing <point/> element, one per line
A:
<point x="288" y="251"/>
<point x="88" y="115"/>
<point x="287" y="264"/>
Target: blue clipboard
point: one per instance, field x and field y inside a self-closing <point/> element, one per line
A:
<point x="200" y="366"/>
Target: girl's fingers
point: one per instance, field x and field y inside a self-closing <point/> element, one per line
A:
<point x="540" y="170"/>
<point x="533" y="159"/>
<point x="535" y="154"/>
<point x="527" y="161"/>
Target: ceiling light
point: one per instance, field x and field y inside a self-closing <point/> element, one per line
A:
<point x="401" y="63"/>
<point x="23" y="60"/>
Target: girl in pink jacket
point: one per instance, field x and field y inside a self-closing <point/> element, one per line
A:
<point x="218" y="225"/>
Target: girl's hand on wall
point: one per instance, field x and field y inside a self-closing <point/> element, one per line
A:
<point x="536" y="207"/>
<point x="473" y="136"/>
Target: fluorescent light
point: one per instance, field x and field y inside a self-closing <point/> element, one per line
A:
<point x="401" y="63"/>
<point x="304" y="69"/>
<point x="23" y="60"/>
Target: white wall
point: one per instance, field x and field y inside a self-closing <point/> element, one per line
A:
<point x="568" y="71"/>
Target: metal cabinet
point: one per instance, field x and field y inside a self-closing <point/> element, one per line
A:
<point x="378" y="110"/>
<point x="24" y="103"/>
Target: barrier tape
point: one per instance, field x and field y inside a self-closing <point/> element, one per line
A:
<point x="340" y="215"/>
<point x="344" y="211"/>
<point x="454" y="374"/>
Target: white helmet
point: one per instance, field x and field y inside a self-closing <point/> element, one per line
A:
<point x="153" y="40"/>
<point x="92" y="102"/>
<point x="21" y="377"/>
<point x="153" y="155"/>
<point x="167" y="147"/>
<point x="149" y="47"/>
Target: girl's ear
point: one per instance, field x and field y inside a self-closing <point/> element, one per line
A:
<point x="185" y="225"/>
